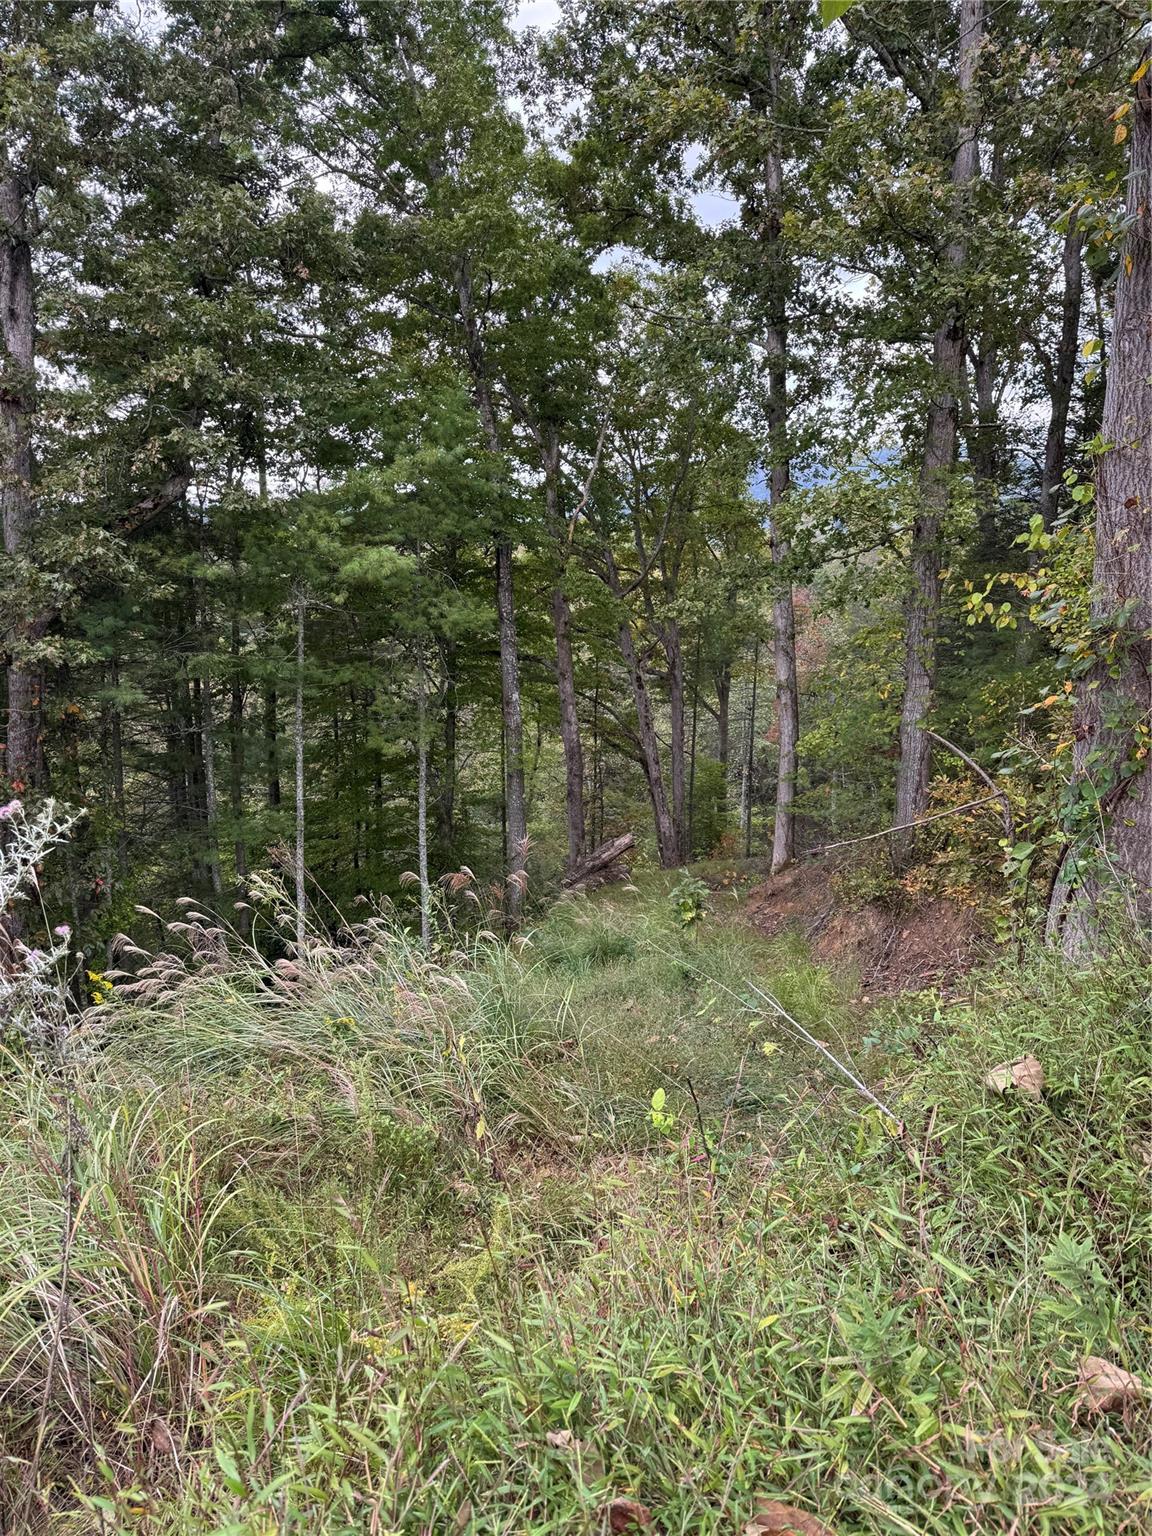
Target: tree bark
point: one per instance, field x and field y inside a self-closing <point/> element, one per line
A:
<point x="787" y="714"/>
<point x="446" y="795"/>
<point x="779" y="478"/>
<point x="1110" y="851"/>
<point x="272" y="749"/>
<point x="512" y="714"/>
<point x="723" y="680"/>
<point x="1064" y="373"/>
<point x="422" y="807"/>
<point x="17" y="507"/>
<point x="750" y="757"/>
<point x="561" y="610"/>
<point x="667" y="841"/>
<point x="676" y="720"/>
<point x="922" y="607"/>
<point x="298" y="754"/>
<point x="211" y="804"/>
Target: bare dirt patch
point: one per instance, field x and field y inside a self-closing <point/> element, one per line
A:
<point x="887" y="949"/>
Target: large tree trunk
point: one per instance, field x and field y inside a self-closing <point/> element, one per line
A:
<point x="723" y="680"/>
<point x="779" y="478"/>
<point x="515" y="812"/>
<point x="211" y="800"/>
<point x="271" y="749"/>
<point x="787" y="715"/>
<point x="750" y="758"/>
<point x="676" y="719"/>
<point x="1064" y="373"/>
<point x="1110" y="849"/>
<point x="17" y="405"/>
<point x="446" y="782"/>
<point x="922" y="607"/>
<point x="667" y="841"/>
<point x="422" y="807"/>
<point x="298" y="764"/>
<point x="565" y="662"/>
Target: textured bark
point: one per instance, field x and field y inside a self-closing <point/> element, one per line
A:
<point x="787" y="716"/>
<point x="1064" y="374"/>
<point x="723" y="718"/>
<point x="1111" y="854"/>
<point x="272" y="748"/>
<point x="922" y="608"/>
<point x="236" y="755"/>
<point x="17" y="406"/>
<point x="750" y="756"/>
<point x="667" y="840"/>
<point x="446" y="784"/>
<point x="515" y="811"/>
<point x="298" y="756"/>
<point x="598" y="861"/>
<point x="422" y="808"/>
<point x="674" y="651"/>
<point x="211" y="802"/>
<point x="561" y="611"/>
<point x="779" y="479"/>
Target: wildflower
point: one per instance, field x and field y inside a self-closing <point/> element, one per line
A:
<point x="8" y="811"/>
<point x="62" y="931"/>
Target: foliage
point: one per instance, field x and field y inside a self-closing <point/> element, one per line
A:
<point x="300" y="1273"/>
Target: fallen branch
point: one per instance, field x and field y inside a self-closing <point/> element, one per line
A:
<point x="905" y="826"/>
<point x="1006" y="813"/>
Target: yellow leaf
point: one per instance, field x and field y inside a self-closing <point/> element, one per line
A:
<point x="1128" y="265"/>
<point x="1120" y="111"/>
<point x="1120" y="135"/>
<point x="481" y="1127"/>
<point x="1139" y="73"/>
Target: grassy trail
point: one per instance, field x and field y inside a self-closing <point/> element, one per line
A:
<point x="501" y="1241"/>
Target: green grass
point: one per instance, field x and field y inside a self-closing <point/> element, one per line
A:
<point x="345" y="1251"/>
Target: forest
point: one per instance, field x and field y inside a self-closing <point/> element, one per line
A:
<point x="575" y="830"/>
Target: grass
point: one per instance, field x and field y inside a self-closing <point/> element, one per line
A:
<point x="385" y="1243"/>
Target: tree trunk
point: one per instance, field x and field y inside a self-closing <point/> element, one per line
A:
<point x="515" y="818"/>
<point x="446" y="796"/>
<point x="676" y="718"/>
<point x="17" y="406"/>
<point x="1110" y="849"/>
<point x="922" y="607"/>
<point x="1064" y="374"/>
<point x="750" y="757"/>
<point x="272" y="748"/>
<point x="787" y="714"/>
<point x="211" y="804"/>
<point x="667" y="841"/>
<point x="570" y="739"/>
<point x="779" y="479"/>
<point x="298" y="753"/>
<point x="236" y="757"/>
<point x="723" y="682"/>
<point x="422" y="808"/>
<point x="691" y="833"/>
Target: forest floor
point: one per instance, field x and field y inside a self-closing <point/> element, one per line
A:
<point x="888" y="948"/>
<point x="588" y="1234"/>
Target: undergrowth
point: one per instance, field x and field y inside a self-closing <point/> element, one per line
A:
<point x="375" y="1241"/>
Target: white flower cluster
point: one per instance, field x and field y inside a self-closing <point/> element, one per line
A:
<point x="33" y="994"/>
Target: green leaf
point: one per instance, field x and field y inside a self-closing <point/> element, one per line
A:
<point x="832" y="10"/>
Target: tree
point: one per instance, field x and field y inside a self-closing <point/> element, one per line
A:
<point x="1110" y="849"/>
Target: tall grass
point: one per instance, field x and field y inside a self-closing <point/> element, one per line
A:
<point x="380" y="1240"/>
